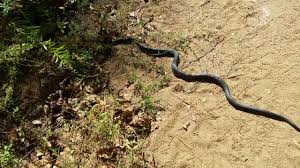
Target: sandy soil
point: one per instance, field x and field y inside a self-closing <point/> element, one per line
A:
<point x="254" y="45"/>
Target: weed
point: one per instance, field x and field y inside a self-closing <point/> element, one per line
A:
<point x="163" y="82"/>
<point x="55" y="151"/>
<point x="60" y="54"/>
<point x="74" y="27"/>
<point x="139" y="87"/>
<point x="103" y="48"/>
<point x="144" y="89"/>
<point x="148" y="104"/>
<point x="134" y="156"/>
<point x="141" y="63"/>
<point x="160" y="69"/>
<point x="14" y="53"/>
<point x="7" y="157"/>
<point x="131" y="78"/>
<point x="149" y="89"/>
<point x="65" y="164"/>
<point x="6" y="101"/>
<point x="26" y="34"/>
<point x="86" y="55"/>
<point x="6" y="6"/>
<point x="37" y="24"/>
<point x="131" y="156"/>
<point x="43" y="141"/>
<point x="82" y="3"/>
<point x="105" y="128"/>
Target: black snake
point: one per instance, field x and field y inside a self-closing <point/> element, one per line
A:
<point x="204" y="77"/>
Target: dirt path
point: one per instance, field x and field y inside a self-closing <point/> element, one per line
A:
<point x="254" y="45"/>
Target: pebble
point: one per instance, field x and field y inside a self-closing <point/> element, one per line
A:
<point x="36" y="122"/>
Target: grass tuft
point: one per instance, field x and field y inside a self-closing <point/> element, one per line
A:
<point x="7" y="157"/>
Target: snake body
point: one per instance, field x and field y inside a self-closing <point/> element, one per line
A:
<point x="204" y="77"/>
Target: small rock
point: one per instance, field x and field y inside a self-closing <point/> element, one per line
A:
<point x="127" y="97"/>
<point x="154" y="126"/>
<point x="194" y="118"/>
<point x="46" y="109"/>
<point x="159" y="119"/>
<point x="48" y="166"/>
<point x="88" y="89"/>
<point x="91" y="8"/>
<point x="36" y="122"/>
<point x="186" y="126"/>
<point x="133" y="14"/>
<point x="39" y="153"/>
<point x="150" y="27"/>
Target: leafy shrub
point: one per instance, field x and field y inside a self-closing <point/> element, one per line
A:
<point x="32" y="33"/>
<point x="7" y="157"/>
<point x="30" y="30"/>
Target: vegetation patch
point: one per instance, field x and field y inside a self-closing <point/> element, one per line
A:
<point x="56" y="105"/>
<point x="7" y="156"/>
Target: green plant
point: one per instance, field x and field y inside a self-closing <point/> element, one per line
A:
<point x="79" y="62"/>
<point x="160" y="69"/>
<point x="6" y="6"/>
<point x="74" y="27"/>
<point x="141" y="63"/>
<point x="148" y="104"/>
<point x="38" y="31"/>
<point x="66" y="164"/>
<point x="24" y="34"/>
<point x="163" y="82"/>
<point x="13" y="53"/>
<point x="147" y="89"/>
<point x="55" y="151"/>
<point x="105" y="128"/>
<point x="133" y="157"/>
<point x="85" y="55"/>
<point x="6" y="101"/>
<point x="131" y="78"/>
<point x="7" y="157"/>
<point x="61" y="55"/>
<point x="81" y="3"/>
<point x="139" y="87"/>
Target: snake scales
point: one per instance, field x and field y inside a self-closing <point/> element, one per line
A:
<point x="204" y="77"/>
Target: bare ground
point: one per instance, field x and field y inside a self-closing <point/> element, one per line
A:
<point x="254" y="45"/>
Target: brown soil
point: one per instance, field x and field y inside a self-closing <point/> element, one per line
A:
<point x="254" y="45"/>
